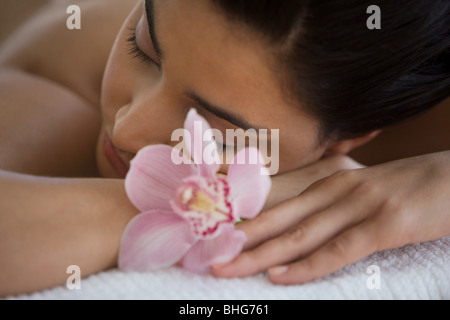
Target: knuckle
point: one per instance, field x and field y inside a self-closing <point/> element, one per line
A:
<point x="392" y="204"/>
<point x="391" y="210"/>
<point x="295" y="234"/>
<point x="309" y="265"/>
<point x="392" y="222"/>
<point x="368" y="189"/>
<point x="338" y="247"/>
<point x="370" y="236"/>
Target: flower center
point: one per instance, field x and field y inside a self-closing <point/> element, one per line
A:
<point x="205" y="204"/>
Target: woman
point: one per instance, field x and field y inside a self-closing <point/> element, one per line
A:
<point x="73" y="107"/>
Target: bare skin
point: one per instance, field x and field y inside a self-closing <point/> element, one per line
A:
<point x="56" y="129"/>
<point x="53" y="131"/>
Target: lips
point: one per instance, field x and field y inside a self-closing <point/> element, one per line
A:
<point x="113" y="157"/>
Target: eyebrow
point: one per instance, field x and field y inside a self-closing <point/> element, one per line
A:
<point x="149" y="8"/>
<point x="222" y="113"/>
<point x="219" y="112"/>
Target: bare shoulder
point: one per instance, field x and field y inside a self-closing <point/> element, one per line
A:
<point x="76" y="59"/>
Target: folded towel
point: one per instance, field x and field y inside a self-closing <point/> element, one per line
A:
<point x="419" y="271"/>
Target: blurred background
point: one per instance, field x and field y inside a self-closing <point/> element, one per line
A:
<point x="14" y="12"/>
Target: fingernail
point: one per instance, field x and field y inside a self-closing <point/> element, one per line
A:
<point x="218" y="265"/>
<point x="276" y="271"/>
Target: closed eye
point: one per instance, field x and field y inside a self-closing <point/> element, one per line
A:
<point x="136" y="52"/>
<point x="223" y="148"/>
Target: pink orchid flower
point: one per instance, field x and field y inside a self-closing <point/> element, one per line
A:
<point x="189" y="211"/>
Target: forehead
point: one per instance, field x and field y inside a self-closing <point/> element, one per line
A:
<point x="230" y="66"/>
<point x="224" y="59"/>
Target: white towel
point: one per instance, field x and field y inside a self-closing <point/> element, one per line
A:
<point x="419" y="271"/>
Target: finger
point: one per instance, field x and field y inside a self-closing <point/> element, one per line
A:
<point x="300" y="240"/>
<point x="273" y="222"/>
<point x="303" y="178"/>
<point x="347" y="248"/>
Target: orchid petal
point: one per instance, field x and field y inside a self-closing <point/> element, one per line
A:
<point x="249" y="188"/>
<point x="221" y="249"/>
<point x="202" y="137"/>
<point x="154" y="240"/>
<point x="153" y="178"/>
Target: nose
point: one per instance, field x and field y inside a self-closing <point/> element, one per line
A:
<point x="147" y="122"/>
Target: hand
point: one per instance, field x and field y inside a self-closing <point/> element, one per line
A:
<point x="345" y="217"/>
<point x="290" y="184"/>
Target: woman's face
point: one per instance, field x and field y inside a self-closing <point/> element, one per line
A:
<point x="189" y="55"/>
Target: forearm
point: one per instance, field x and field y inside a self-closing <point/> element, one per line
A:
<point x="48" y="224"/>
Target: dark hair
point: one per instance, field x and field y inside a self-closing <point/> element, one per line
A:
<point x="356" y="80"/>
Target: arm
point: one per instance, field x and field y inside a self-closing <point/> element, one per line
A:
<point x="49" y="123"/>
<point x="47" y="224"/>
<point x="346" y="217"/>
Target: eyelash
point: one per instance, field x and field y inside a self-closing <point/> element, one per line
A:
<point x="222" y="147"/>
<point x="135" y="52"/>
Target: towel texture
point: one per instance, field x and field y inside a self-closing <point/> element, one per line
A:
<point x="419" y="271"/>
